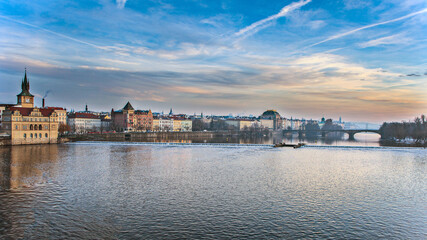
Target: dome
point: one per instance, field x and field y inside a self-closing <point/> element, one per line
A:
<point x="270" y="113"/>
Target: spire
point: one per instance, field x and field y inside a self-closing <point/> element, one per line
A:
<point x="26" y="82"/>
<point x="25" y="86"/>
<point x="86" y="108"/>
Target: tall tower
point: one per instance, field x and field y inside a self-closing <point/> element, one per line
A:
<point x="25" y="98"/>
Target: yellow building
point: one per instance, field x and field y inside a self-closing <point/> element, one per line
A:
<point x="177" y="125"/>
<point x="156" y="124"/>
<point x="26" y="124"/>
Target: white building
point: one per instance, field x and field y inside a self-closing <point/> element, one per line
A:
<point x="84" y="122"/>
<point x="165" y="124"/>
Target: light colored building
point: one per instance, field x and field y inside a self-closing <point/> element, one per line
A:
<point x="271" y="115"/>
<point x="84" y="122"/>
<point x="240" y="124"/>
<point x="186" y="125"/>
<point x="181" y="124"/>
<point x="165" y="124"/>
<point x="156" y="124"/>
<point x="267" y="123"/>
<point x="26" y="124"/>
<point x="62" y="114"/>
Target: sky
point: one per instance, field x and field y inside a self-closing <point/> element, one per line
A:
<point x="361" y="60"/>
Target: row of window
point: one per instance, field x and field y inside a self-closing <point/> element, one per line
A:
<point x="33" y="119"/>
<point x="35" y="135"/>
<point x="33" y="127"/>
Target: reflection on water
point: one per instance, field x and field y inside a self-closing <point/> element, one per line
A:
<point x="361" y="139"/>
<point x="23" y="166"/>
<point x="128" y="191"/>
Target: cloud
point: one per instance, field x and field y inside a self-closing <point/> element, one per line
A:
<point x="356" y="4"/>
<point x="189" y="89"/>
<point x="121" y="3"/>
<point x="368" y="26"/>
<point x="389" y="40"/>
<point x="51" y="32"/>
<point x="256" y="26"/>
<point x="413" y="75"/>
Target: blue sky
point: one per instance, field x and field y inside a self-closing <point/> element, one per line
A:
<point x="359" y="59"/>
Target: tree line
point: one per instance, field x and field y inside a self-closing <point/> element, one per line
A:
<point x="416" y="130"/>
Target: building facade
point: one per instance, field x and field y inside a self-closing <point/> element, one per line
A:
<point x="26" y="124"/>
<point x="80" y="122"/>
<point x="271" y="115"/>
<point x="127" y="119"/>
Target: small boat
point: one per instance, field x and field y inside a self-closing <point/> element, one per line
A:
<point x="289" y="145"/>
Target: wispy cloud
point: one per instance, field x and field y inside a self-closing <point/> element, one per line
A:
<point x="368" y="26"/>
<point x="256" y="26"/>
<point x="52" y="32"/>
<point x="121" y="3"/>
<point x="393" y="39"/>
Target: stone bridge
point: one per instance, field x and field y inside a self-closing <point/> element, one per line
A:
<point x="350" y="132"/>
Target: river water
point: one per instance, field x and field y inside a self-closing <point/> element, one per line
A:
<point x="101" y="190"/>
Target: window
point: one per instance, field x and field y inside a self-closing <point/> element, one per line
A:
<point x="35" y="127"/>
<point x="46" y="127"/>
<point x="45" y="135"/>
<point x="25" y="135"/>
<point x="40" y="135"/>
<point x="35" y="135"/>
<point x="16" y="127"/>
<point x="31" y="128"/>
<point x="40" y="127"/>
<point x="24" y="127"/>
<point x="31" y="135"/>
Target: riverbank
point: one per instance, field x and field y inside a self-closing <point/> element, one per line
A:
<point x="394" y="143"/>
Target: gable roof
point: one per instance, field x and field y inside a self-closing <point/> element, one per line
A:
<point x="128" y="106"/>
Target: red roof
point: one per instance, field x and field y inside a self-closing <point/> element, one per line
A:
<point x="27" y="111"/>
<point x="83" y="115"/>
<point x="55" y="108"/>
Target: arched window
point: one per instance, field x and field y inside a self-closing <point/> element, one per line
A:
<point x="35" y="135"/>
<point x="16" y="126"/>
<point x="40" y="127"/>
<point x="31" y="135"/>
<point x="40" y="135"/>
<point x="45" y="135"/>
<point x="25" y="135"/>
<point x="31" y="127"/>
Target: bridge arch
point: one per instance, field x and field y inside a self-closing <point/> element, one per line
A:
<point x="352" y="133"/>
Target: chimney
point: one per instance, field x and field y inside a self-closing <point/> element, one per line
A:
<point x="43" y="103"/>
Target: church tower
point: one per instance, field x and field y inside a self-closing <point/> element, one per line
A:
<point x="25" y="98"/>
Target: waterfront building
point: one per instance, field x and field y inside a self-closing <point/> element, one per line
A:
<point x="81" y="122"/>
<point x="105" y="123"/>
<point x="143" y="120"/>
<point x="271" y="115"/>
<point x="26" y="124"/>
<point x="127" y="119"/>
<point x="2" y="108"/>
<point x="181" y="124"/>
<point x="165" y="124"/>
<point x="267" y="123"/>
<point x="240" y="124"/>
<point x="62" y="114"/>
<point x="156" y="123"/>
<point x="186" y="125"/>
